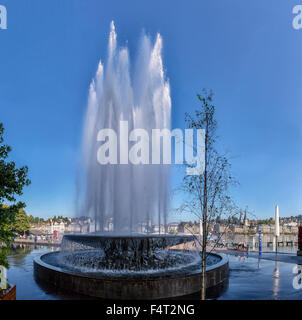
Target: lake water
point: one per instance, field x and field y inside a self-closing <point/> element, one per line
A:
<point x="21" y="274"/>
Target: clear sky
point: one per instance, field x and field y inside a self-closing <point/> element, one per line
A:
<point x="246" y="51"/>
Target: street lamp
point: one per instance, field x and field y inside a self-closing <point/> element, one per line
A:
<point x="277" y="228"/>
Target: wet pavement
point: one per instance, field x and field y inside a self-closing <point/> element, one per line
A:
<point x="250" y="277"/>
<point x="254" y="277"/>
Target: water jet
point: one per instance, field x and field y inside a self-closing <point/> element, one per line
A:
<point x="130" y="262"/>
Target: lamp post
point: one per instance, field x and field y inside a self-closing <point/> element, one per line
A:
<point x="299" y="252"/>
<point x="277" y="228"/>
<point x="260" y="242"/>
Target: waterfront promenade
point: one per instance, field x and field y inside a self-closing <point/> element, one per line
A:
<point x="54" y="242"/>
<point x="226" y="242"/>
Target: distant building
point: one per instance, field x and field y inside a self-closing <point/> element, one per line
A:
<point x="266" y="228"/>
<point x="158" y="229"/>
<point x="145" y="227"/>
<point x="191" y="228"/>
<point x="219" y="228"/>
<point x="291" y="224"/>
<point x="236" y="229"/>
<point x="240" y="218"/>
<point x="173" y="228"/>
<point x="245" y="220"/>
<point x="289" y="228"/>
<point x="252" y="228"/>
<point x="58" y="227"/>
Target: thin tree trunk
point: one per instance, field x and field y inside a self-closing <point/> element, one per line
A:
<point x="203" y="265"/>
<point x="204" y="217"/>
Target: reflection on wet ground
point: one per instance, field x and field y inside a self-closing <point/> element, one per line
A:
<point x="258" y="278"/>
<point x="251" y="277"/>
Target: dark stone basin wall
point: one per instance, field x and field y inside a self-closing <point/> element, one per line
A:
<point x="127" y="289"/>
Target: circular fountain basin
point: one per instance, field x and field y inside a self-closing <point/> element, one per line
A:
<point x="129" y="267"/>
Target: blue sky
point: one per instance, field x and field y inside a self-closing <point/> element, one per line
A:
<point x="246" y="51"/>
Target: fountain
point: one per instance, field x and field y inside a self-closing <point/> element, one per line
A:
<point x="121" y="257"/>
<point x="124" y="194"/>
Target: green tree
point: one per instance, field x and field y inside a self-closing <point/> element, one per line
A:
<point x="31" y="219"/>
<point x="22" y="222"/>
<point x="12" y="182"/>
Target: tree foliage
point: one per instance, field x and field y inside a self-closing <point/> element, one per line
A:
<point x="35" y="220"/>
<point x="12" y="182"/>
<point x="21" y="223"/>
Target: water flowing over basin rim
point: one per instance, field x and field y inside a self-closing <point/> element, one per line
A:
<point x="128" y="256"/>
<point x="130" y="236"/>
<point x="143" y="241"/>
<point x="43" y="261"/>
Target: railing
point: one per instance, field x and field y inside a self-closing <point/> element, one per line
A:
<point x="39" y="242"/>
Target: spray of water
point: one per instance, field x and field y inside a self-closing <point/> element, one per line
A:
<point x="125" y="198"/>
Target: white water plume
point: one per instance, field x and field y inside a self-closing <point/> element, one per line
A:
<point x="127" y="196"/>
